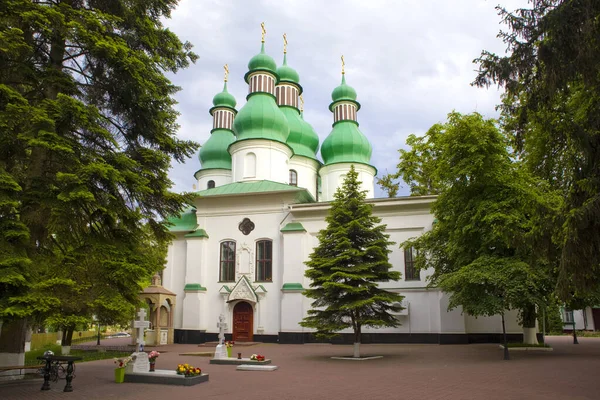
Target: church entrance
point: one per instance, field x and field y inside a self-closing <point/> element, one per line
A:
<point x="243" y="316"/>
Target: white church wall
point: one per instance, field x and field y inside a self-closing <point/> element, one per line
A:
<point x="492" y="324"/>
<point x="220" y="177"/>
<point x="271" y="161"/>
<point x="306" y="169"/>
<point x="174" y="274"/>
<point x="451" y="321"/>
<point x="332" y="176"/>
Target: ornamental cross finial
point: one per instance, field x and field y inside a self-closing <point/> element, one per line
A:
<point x="226" y="68"/>
<point x="264" y="32"/>
<point x="301" y="103"/>
<point x="285" y="42"/>
<point x="343" y="65"/>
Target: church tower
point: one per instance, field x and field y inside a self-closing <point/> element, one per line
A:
<point x="260" y="151"/>
<point x="214" y="157"/>
<point x="303" y="140"/>
<point x="346" y="145"/>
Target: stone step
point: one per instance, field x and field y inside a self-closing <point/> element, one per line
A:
<point x="247" y="367"/>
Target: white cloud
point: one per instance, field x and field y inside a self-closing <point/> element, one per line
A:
<point x="410" y="62"/>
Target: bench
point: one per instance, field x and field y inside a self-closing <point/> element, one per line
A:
<point x="5" y="368"/>
<point x="50" y="360"/>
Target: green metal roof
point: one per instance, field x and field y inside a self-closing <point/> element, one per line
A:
<point x="214" y="153"/>
<point x="293" y="227"/>
<point x="261" y="62"/>
<point x="292" y="286"/>
<point x="194" y="287"/>
<point x="343" y="92"/>
<point x="261" y="118"/>
<point x="287" y="73"/>
<point x="201" y="233"/>
<point x="185" y="222"/>
<point x="303" y="140"/>
<point x="346" y="143"/>
<point x="224" y="99"/>
<point x="257" y="187"/>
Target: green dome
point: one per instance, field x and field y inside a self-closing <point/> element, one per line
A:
<point x="343" y="92"/>
<point x="214" y="153"/>
<point x="261" y="118"/>
<point x="224" y="99"/>
<point x="261" y="62"/>
<point x="346" y="143"/>
<point x="287" y="73"/>
<point x="302" y="139"/>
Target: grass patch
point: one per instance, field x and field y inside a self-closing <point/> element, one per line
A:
<point x="31" y="356"/>
<point x="528" y="345"/>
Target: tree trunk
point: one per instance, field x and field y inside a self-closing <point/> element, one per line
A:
<point x="66" y="340"/>
<point x="575" y="341"/>
<point x="529" y="328"/>
<point x="12" y="344"/>
<point x="357" y="341"/>
<point x="506" y="355"/>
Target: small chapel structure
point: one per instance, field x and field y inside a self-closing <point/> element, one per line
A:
<point x="265" y="188"/>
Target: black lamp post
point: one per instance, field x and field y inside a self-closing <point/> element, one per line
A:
<point x="98" y="341"/>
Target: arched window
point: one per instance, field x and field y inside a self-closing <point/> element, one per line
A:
<point x="264" y="261"/>
<point x="293" y="178"/>
<point x="227" y="262"/>
<point x="210" y="184"/>
<point x="410" y="273"/>
<point x="250" y="165"/>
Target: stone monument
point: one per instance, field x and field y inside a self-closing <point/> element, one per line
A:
<point x="221" y="351"/>
<point x="140" y="362"/>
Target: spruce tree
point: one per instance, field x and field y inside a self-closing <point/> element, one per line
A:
<point x="87" y="137"/>
<point x="347" y="266"/>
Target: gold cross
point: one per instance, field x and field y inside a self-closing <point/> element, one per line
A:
<point x="264" y="31"/>
<point x="343" y="65"/>
<point x="226" y="68"/>
<point x="284" y="43"/>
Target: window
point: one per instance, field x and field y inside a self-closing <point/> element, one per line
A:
<point x="569" y="316"/>
<point x="250" y="165"/>
<point x="264" y="261"/>
<point x="410" y="273"/>
<point x="227" y="262"/>
<point x="293" y="178"/>
<point x="210" y="185"/>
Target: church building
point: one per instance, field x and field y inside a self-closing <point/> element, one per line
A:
<point x="264" y="191"/>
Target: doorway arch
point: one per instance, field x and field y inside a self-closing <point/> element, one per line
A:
<point x="243" y="322"/>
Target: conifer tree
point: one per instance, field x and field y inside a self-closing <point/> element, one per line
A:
<point x="347" y="266"/>
<point x="87" y="136"/>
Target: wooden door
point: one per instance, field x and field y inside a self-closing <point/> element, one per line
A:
<point x="242" y="322"/>
<point x="596" y="317"/>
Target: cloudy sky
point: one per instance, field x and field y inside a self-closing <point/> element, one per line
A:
<point x="410" y="62"/>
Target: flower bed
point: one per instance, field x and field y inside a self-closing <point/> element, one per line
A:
<point x="188" y="370"/>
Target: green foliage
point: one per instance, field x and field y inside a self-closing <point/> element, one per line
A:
<point x="551" y="316"/>
<point x="346" y="266"/>
<point x="389" y="184"/>
<point x="552" y="102"/>
<point x="87" y="135"/>
<point x="31" y="356"/>
<point x="489" y="249"/>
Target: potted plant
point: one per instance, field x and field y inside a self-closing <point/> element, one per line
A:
<point x="152" y="359"/>
<point x="229" y="344"/>
<point x="120" y="369"/>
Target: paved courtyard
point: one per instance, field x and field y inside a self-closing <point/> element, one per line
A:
<point x="420" y="372"/>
